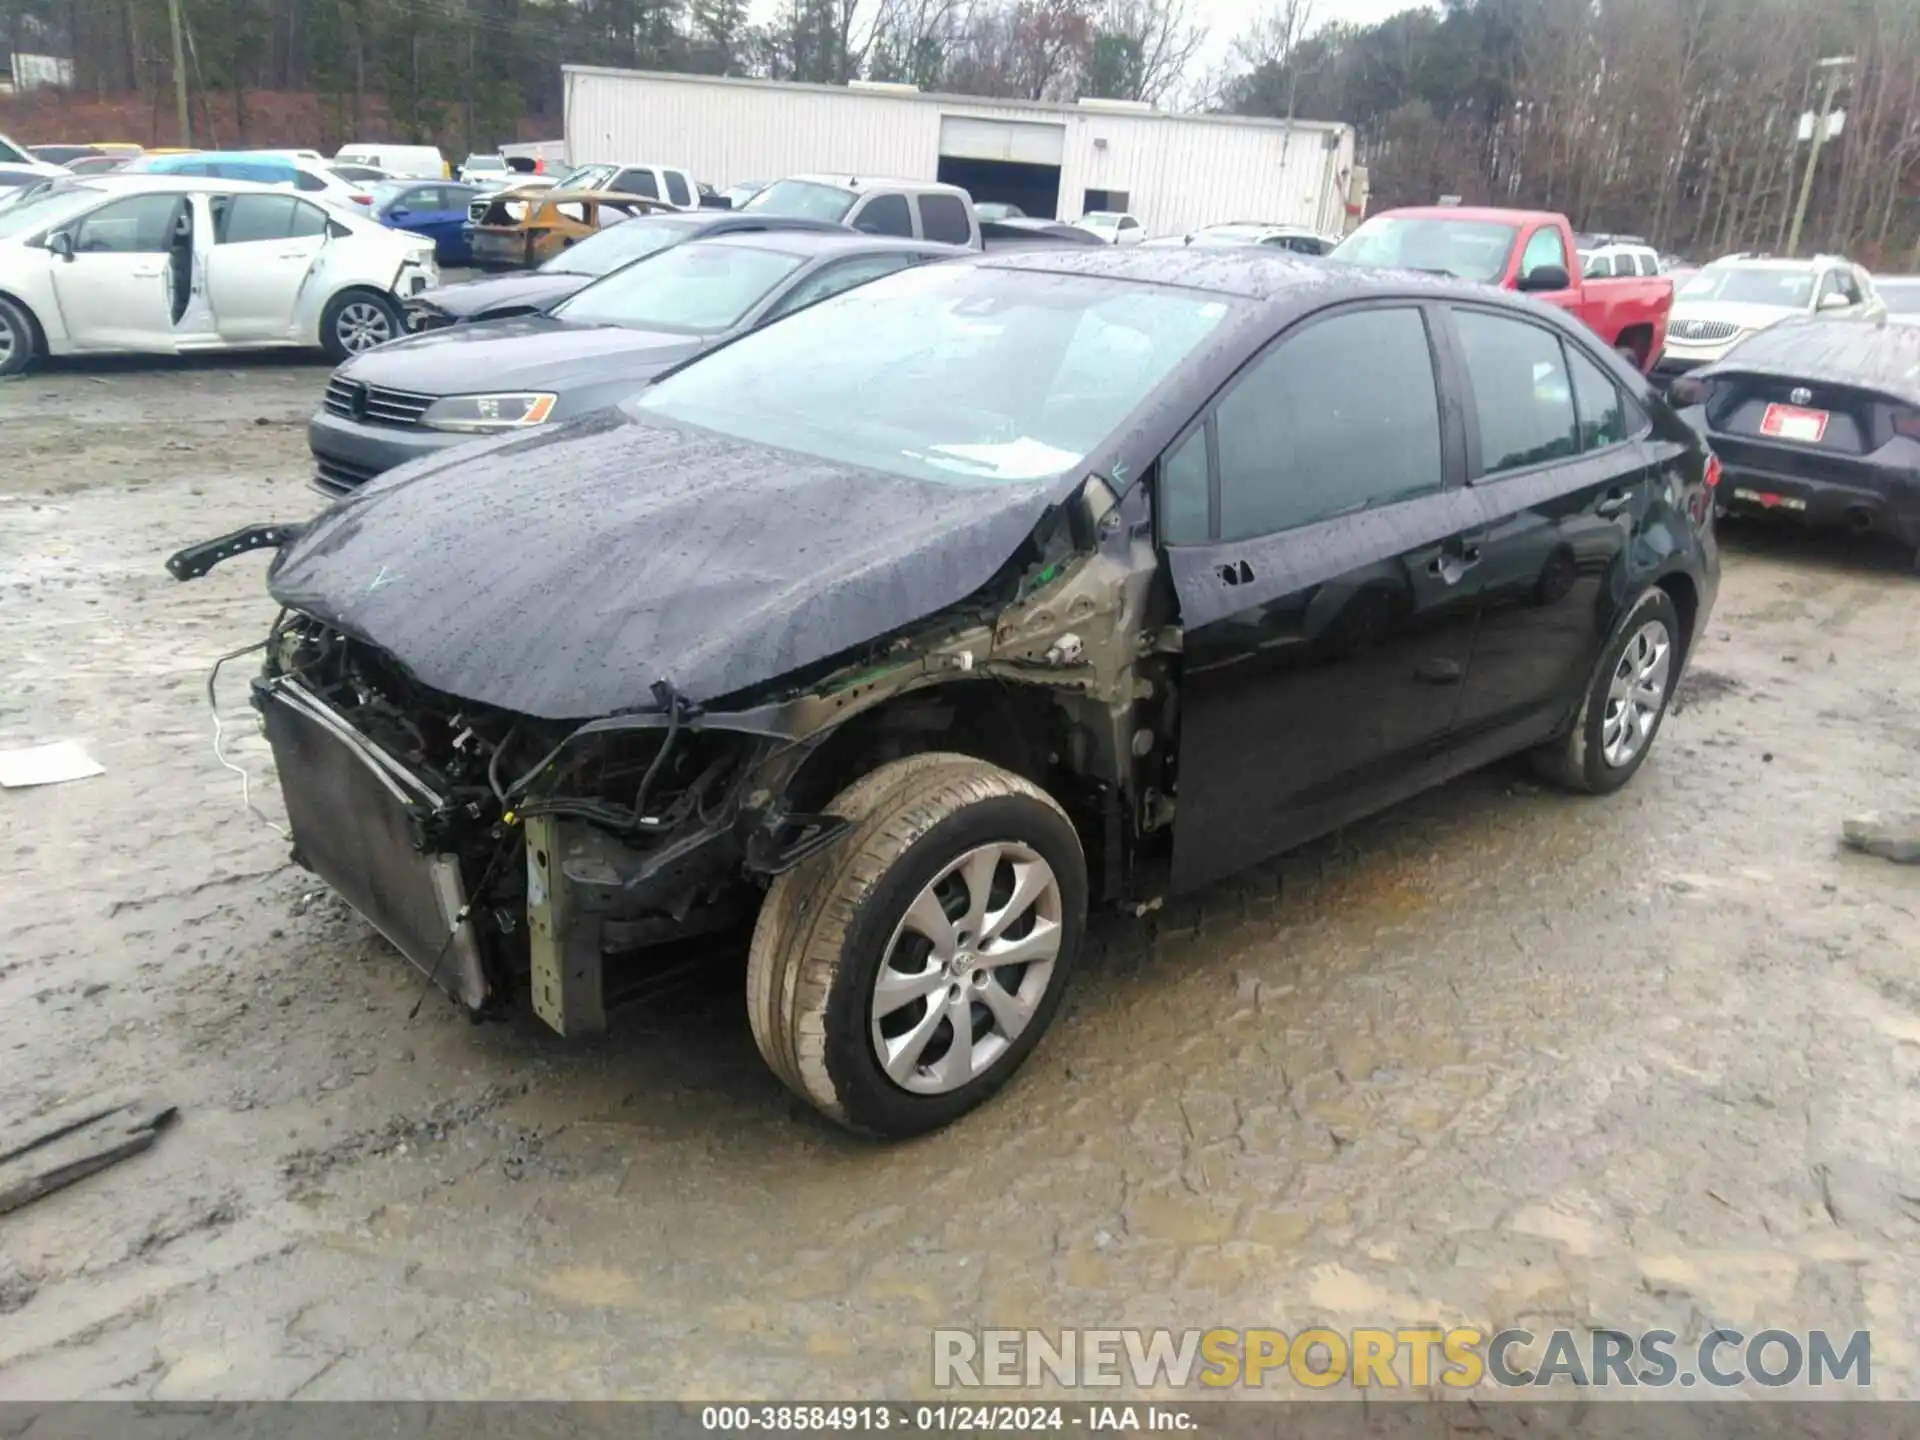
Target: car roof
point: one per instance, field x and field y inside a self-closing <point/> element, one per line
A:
<point x="812" y="243"/>
<point x="1275" y="276"/>
<point x="860" y="184"/>
<point x="1842" y="352"/>
<point x="1484" y="213"/>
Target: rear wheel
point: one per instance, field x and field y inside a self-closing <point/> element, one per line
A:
<point x="16" y="339"/>
<point x="1624" y="704"/>
<point x="899" y="978"/>
<point x="357" y="320"/>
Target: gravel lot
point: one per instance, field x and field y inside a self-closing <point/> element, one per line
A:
<point x="1501" y="1056"/>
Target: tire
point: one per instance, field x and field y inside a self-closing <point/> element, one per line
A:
<point x="352" y="319"/>
<point x="17" y="343"/>
<point x="1648" y="642"/>
<point x="830" y="925"/>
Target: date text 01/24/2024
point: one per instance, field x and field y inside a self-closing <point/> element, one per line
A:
<point x="944" y="1419"/>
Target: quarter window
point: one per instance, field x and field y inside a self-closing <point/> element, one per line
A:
<point x="1545" y="248"/>
<point x="1521" y="391"/>
<point x="1603" y="414"/>
<point x="1183" y="491"/>
<point x="885" y="215"/>
<point x="944" y="219"/>
<point x="1341" y="416"/>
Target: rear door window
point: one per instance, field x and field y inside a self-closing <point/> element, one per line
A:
<point x="249" y="219"/>
<point x="1522" y="394"/>
<point x="677" y="190"/>
<point x="944" y="219"/>
<point x="885" y="215"/>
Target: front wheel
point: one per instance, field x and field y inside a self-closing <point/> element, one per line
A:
<point x="1624" y="704"/>
<point x="357" y="320"/>
<point x="900" y="977"/>
<point x="16" y="339"/>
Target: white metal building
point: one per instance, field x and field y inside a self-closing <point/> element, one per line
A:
<point x="1053" y="161"/>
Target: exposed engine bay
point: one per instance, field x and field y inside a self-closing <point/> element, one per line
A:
<point x="505" y="854"/>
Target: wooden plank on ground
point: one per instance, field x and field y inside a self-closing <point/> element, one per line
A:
<point x="62" y="1149"/>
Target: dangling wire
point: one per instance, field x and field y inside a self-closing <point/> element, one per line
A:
<point x="219" y="735"/>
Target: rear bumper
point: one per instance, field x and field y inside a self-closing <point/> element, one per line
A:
<point x="1759" y="480"/>
<point x="347" y="453"/>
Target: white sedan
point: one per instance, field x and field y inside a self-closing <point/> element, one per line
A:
<point x="1116" y="227"/>
<point x="166" y="265"/>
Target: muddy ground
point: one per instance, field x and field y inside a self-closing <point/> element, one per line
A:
<point x="1499" y="1057"/>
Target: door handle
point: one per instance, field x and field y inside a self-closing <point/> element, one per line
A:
<point x="292" y="255"/>
<point x="1450" y="568"/>
<point x="1613" y="503"/>
<point x="146" y="274"/>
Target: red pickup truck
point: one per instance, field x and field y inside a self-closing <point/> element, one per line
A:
<point x="1528" y="250"/>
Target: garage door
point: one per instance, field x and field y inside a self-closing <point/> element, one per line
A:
<point x="966" y="138"/>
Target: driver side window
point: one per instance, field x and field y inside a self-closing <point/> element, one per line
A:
<point x="1545" y="248"/>
<point x="138" y="225"/>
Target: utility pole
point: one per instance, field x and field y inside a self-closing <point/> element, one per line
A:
<point x="1836" y="67"/>
<point x="185" y="118"/>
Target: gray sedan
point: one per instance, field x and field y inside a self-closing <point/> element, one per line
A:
<point x="419" y="395"/>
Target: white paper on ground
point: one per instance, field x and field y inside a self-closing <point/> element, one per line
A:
<point x="47" y="764"/>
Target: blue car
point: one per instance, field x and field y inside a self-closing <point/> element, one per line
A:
<point x="436" y="209"/>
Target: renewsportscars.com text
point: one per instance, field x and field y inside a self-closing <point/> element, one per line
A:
<point x="1398" y="1358"/>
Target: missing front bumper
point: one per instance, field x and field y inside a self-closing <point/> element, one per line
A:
<point x="360" y="822"/>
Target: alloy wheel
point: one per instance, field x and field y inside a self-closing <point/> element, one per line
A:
<point x="363" y="325"/>
<point x="966" y="968"/>
<point x="1636" y="694"/>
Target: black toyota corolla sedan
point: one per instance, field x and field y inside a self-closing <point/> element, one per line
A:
<point x="899" y="632"/>
<point x="442" y="388"/>
<point x="1817" y="420"/>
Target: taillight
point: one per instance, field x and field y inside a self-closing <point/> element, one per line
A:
<point x="1687" y="390"/>
<point x="1907" y="423"/>
<point x="1712" y="476"/>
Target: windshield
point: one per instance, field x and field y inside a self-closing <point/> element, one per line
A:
<point x="803" y="200"/>
<point x="617" y="245"/>
<point x="47" y="207"/>
<point x="1469" y="249"/>
<point x="947" y="373"/>
<point x="693" y="289"/>
<point x="1751" y="285"/>
<point x="586" y="177"/>
<point x="383" y="191"/>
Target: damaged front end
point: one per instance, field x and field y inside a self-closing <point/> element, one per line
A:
<point x="503" y="852"/>
<point x="497" y="851"/>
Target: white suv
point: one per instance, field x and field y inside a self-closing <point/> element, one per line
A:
<point x="1740" y="295"/>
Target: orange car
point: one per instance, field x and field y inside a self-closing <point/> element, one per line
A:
<point x="524" y="227"/>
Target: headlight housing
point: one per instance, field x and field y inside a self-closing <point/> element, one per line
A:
<point x="490" y="414"/>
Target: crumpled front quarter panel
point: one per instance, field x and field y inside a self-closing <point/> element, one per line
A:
<point x="560" y="575"/>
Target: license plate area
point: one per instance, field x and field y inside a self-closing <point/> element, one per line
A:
<point x="1768" y="499"/>
<point x="349" y="809"/>
<point x="1795" y="422"/>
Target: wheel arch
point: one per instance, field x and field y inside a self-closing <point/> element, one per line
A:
<point x="1685" y="594"/>
<point x="34" y="323"/>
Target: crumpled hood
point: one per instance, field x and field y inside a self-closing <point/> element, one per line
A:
<point x="536" y="290"/>
<point x="524" y="352"/>
<point x="560" y="574"/>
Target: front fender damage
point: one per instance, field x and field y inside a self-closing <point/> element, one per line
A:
<point x="649" y="832"/>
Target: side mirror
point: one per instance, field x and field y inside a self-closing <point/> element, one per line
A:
<point x="1834" y="301"/>
<point x="61" y="244"/>
<point x="1544" y="278"/>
